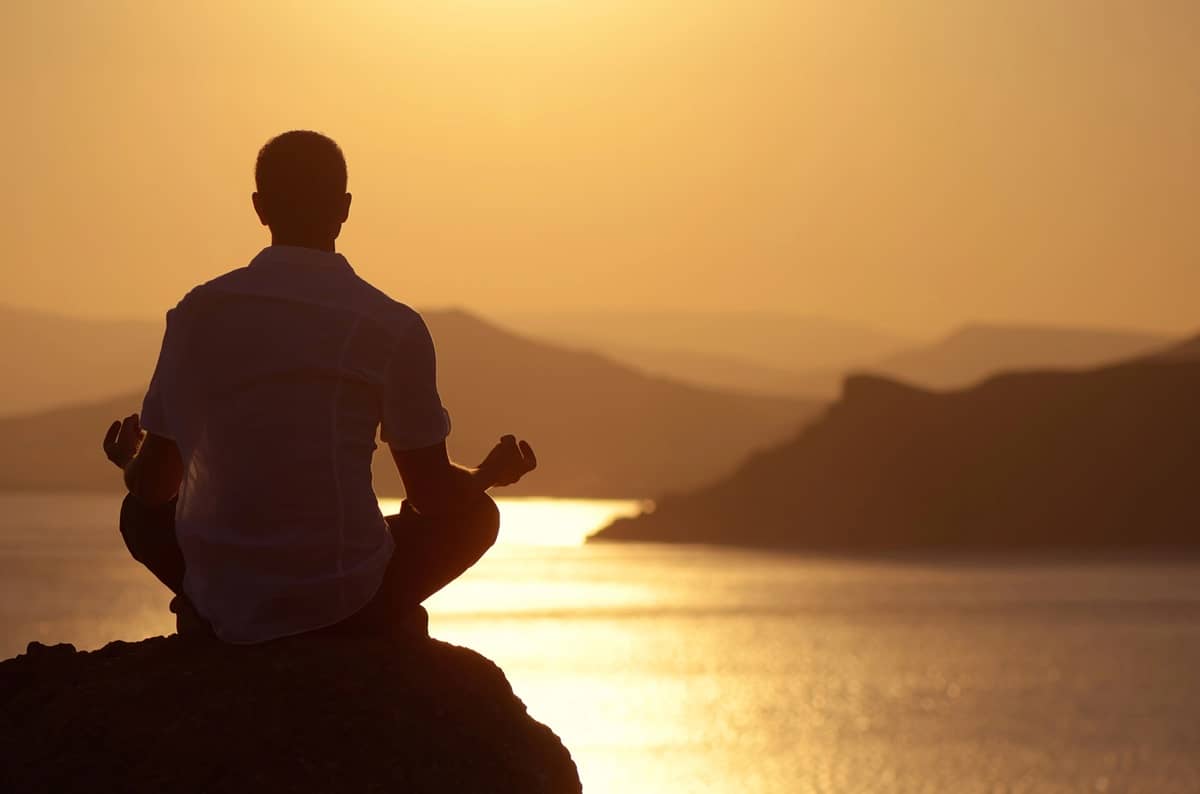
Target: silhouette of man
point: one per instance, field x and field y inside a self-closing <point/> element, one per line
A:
<point x="249" y="468"/>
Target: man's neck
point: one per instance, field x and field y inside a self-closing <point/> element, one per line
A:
<point x="297" y="242"/>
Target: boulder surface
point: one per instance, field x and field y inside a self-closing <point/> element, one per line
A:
<point x="304" y="714"/>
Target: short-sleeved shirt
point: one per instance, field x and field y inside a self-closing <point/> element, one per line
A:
<point x="274" y="381"/>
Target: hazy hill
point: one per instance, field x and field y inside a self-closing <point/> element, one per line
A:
<point x="54" y="360"/>
<point x="714" y="370"/>
<point x="600" y="429"/>
<point x="1186" y="350"/>
<point x="977" y="351"/>
<point x="811" y="356"/>
<point x="784" y="355"/>
<point x="687" y="342"/>
<point x="1104" y="458"/>
<point x="974" y="352"/>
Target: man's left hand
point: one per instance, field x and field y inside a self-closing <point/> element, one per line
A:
<point x="122" y="440"/>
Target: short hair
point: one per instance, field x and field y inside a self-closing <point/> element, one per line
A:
<point x="301" y="173"/>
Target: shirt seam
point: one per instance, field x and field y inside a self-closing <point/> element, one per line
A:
<point x="335" y="404"/>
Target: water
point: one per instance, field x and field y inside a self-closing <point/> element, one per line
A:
<point x="669" y="669"/>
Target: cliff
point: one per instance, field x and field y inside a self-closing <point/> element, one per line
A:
<point x="311" y="714"/>
<point x="1108" y="458"/>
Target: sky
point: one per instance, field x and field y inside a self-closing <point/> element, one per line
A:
<point x="910" y="166"/>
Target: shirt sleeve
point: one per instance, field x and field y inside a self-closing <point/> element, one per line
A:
<point x="413" y="416"/>
<point x="154" y="408"/>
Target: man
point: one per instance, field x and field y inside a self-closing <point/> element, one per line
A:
<point x="249" y="468"/>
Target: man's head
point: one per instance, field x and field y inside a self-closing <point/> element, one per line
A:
<point x="301" y="182"/>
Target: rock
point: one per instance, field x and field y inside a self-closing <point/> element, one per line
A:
<point x="302" y="714"/>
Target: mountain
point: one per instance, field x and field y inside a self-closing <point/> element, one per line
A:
<point x="53" y="360"/>
<point x="796" y="356"/>
<point x="1188" y="350"/>
<point x="599" y="428"/>
<point x="766" y="340"/>
<point x="713" y="370"/>
<point x="974" y="352"/>
<point x="1102" y="458"/>
<point x="978" y="351"/>
<point x="769" y="354"/>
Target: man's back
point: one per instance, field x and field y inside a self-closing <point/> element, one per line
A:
<point x="260" y="424"/>
<point x="273" y="382"/>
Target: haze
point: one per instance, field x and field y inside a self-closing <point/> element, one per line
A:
<point x="911" y="166"/>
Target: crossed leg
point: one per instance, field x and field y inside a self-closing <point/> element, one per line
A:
<point x="430" y="552"/>
<point x="149" y="534"/>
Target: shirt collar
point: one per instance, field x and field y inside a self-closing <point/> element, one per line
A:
<point x="274" y="255"/>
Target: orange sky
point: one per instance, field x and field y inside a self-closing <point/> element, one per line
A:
<point x="910" y="165"/>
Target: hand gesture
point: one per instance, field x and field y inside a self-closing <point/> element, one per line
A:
<point x="122" y="440"/>
<point x="508" y="462"/>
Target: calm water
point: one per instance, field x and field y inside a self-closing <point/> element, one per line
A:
<point x="696" y="670"/>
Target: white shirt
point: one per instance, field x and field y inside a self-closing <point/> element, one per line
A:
<point x="273" y="381"/>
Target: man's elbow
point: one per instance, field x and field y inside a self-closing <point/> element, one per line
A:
<point x="444" y="489"/>
<point x="151" y="487"/>
<point x="152" y="495"/>
<point x="459" y="499"/>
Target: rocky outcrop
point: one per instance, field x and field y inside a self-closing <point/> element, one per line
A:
<point x="307" y="714"/>
<point x="1105" y="459"/>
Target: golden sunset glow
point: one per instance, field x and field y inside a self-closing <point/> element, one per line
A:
<point x="909" y="166"/>
<point x="789" y="396"/>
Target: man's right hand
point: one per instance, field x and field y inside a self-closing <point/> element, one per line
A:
<point x="435" y="485"/>
<point x="507" y="463"/>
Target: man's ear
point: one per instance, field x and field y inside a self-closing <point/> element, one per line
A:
<point x="259" y="208"/>
<point x="344" y="212"/>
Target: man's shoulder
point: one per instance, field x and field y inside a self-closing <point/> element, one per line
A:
<point x="376" y="306"/>
<point x="353" y="293"/>
<point x="199" y="293"/>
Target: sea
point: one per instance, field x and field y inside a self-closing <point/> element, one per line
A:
<point x="687" y="669"/>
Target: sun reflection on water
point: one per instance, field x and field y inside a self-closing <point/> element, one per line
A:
<point x="541" y="521"/>
<point x="530" y="571"/>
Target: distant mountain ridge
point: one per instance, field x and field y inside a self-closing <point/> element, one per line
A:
<point x="755" y="340"/>
<point x="1188" y="349"/>
<point x="713" y="371"/>
<point x="974" y="352"/>
<point x="121" y="353"/>
<point x="810" y="357"/>
<point x="600" y="428"/>
<point x="1106" y="458"/>
<point x="52" y="360"/>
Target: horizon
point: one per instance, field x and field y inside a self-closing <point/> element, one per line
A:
<point x="502" y="318"/>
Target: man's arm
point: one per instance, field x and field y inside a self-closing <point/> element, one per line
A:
<point x="415" y="425"/>
<point x="435" y="485"/>
<point x="151" y="463"/>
